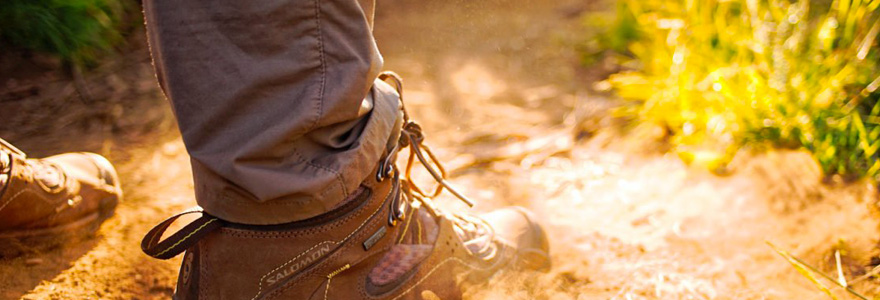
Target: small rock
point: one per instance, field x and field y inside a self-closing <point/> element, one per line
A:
<point x="171" y="149"/>
<point x="33" y="261"/>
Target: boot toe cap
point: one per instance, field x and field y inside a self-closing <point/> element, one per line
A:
<point x="90" y="169"/>
<point x="518" y="227"/>
<point x="106" y="171"/>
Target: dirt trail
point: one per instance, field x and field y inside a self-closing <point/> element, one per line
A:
<point x="498" y="89"/>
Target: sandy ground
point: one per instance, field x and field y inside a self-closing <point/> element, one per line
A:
<point x="497" y="86"/>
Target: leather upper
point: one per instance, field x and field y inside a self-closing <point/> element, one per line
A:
<point x="48" y="192"/>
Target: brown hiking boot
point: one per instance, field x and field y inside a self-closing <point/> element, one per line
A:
<point x="50" y="201"/>
<point x="387" y="242"/>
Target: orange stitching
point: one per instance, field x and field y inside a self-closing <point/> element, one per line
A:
<point x="330" y="277"/>
<point x="12" y="198"/>
<point x="260" y="288"/>
<point x="412" y="212"/>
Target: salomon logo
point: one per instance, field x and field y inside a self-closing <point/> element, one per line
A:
<point x="297" y="264"/>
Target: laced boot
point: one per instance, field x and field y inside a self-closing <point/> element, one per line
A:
<point x="51" y="201"/>
<point x="389" y="241"/>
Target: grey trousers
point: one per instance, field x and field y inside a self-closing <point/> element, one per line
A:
<point x="277" y="101"/>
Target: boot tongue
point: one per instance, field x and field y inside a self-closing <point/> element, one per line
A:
<point x="397" y="262"/>
<point x="416" y="243"/>
<point x="421" y="228"/>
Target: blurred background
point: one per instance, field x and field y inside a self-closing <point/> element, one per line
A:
<point x="677" y="149"/>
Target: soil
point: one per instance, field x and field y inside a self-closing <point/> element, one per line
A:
<point x="505" y="103"/>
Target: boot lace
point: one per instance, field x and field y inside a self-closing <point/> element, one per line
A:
<point x="475" y="232"/>
<point x="49" y="176"/>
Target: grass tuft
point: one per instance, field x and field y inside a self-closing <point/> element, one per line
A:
<point x="720" y="75"/>
<point x="78" y="31"/>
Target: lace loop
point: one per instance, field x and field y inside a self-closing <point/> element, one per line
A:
<point x="398" y="85"/>
<point x="411" y="136"/>
<point x="188" y="236"/>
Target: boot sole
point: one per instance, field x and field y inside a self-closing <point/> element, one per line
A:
<point x="18" y="242"/>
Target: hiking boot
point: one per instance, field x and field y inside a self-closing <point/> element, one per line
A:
<point x="388" y="241"/>
<point x="50" y="201"/>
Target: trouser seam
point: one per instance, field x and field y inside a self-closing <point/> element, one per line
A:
<point x="320" y="37"/>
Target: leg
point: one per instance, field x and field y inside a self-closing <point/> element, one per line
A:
<point x="286" y="150"/>
<point x="275" y="100"/>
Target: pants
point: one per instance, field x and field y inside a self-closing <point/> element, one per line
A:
<point x="277" y="101"/>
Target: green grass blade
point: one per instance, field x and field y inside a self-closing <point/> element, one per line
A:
<point x="808" y="271"/>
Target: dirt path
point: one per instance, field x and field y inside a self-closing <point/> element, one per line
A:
<point x="495" y="84"/>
